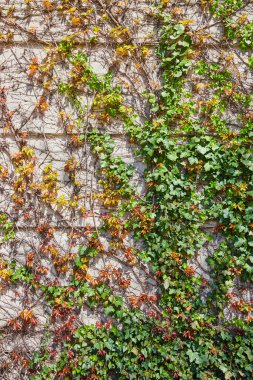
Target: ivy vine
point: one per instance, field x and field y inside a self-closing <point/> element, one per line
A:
<point x="196" y="143"/>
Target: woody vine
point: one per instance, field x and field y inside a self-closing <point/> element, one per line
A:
<point x="189" y="232"/>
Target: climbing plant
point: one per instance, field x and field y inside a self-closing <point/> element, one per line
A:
<point x="190" y="231"/>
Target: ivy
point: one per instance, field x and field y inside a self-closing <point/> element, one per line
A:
<point x="198" y="200"/>
<point x="7" y="228"/>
